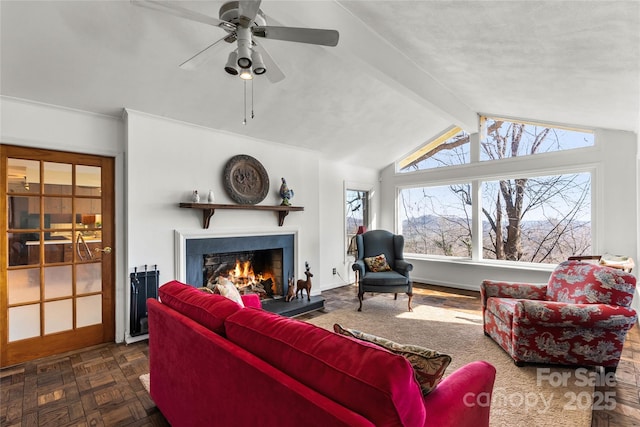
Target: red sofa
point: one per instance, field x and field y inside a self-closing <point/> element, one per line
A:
<point x="215" y="363"/>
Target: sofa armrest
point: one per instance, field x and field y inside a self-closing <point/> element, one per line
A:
<point x="553" y="313"/>
<point x="251" y="300"/>
<point x="519" y="290"/>
<point x="463" y="399"/>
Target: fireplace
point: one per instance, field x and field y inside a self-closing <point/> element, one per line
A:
<point x="261" y="264"/>
<point x="252" y="271"/>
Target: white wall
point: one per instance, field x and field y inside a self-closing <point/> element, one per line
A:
<point x="159" y="163"/>
<point x="615" y="219"/>
<point x="334" y="178"/>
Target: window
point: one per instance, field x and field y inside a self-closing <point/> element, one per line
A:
<point x="541" y="219"/>
<point x="356" y="214"/>
<point x="436" y="220"/>
<point x="507" y="138"/>
<point x="449" y="149"/>
<point x="540" y="215"/>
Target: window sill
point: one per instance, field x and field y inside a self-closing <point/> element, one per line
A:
<point x="511" y="265"/>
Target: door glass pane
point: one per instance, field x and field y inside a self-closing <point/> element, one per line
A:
<point x="23" y="176"/>
<point x="23" y="212"/>
<point x="58" y="316"/>
<point x="88" y="278"/>
<point x="89" y="211"/>
<point x="89" y="311"/>
<point x="88" y="180"/>
<point x="23" y="248"/>
<point x="24" y="285"/>
<point x="57" y="178"/>
<point x="58" y="210"/>
<point x="24" y="322"/>
<point x="57" y="282"/>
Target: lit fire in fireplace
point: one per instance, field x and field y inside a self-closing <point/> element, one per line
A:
<point x="247" y="281"/>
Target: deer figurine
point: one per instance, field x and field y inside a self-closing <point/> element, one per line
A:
<point x="304" y="284"/>
<point x="291" y="291"/>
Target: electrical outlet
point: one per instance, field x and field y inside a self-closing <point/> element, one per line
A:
<point x="335" y="271"/>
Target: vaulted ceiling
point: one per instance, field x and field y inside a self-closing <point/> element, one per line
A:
<point x="403" y="71"/>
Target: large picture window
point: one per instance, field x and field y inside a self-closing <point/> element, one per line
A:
<point x="541" y="219"/>
<point x="436" y="220"/>
<point x="539" y="215"/>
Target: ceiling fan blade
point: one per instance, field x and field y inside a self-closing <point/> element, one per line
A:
<point x="247" y="11"/>
<point x="175" y="10"/>
<point x="274" y="73"/>
<point x="204" y="55"/>
<point x="300" y="35"/>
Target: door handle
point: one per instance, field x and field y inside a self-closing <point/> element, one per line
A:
<point x="106" y="250"/>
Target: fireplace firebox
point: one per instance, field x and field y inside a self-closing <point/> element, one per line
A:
<point x="256" y="264"/>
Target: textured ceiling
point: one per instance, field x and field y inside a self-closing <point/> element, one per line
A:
<point x="402" y="72"/>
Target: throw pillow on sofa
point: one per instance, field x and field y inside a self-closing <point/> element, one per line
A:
<point x="227" y="289"/>
<point x="428" y="365"/>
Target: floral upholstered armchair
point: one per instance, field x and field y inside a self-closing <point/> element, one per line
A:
<point x="580" y="317"/>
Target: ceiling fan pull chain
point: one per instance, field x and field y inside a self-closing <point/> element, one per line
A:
<point x="252" y="115"/>
<point x="244" y="121"/>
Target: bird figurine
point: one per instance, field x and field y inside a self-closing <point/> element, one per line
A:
<point x="285" y="193"/>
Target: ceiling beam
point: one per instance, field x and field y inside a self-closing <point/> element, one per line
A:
<point x="378" y="57"/>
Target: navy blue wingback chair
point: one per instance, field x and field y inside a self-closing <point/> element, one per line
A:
<point x="372" y="244"/>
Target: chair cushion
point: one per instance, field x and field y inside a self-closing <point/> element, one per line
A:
<point x="363" y="377"/>
<point x="210" y="310"/>
<point x="384" y="278"/>
<point x="428" y="365"/>
<point x="577" y="282"/>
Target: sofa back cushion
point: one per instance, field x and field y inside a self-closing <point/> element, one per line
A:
<point x="360" y="376"/>
<point x="578" y="282"/>
<point x="210" y="310"/>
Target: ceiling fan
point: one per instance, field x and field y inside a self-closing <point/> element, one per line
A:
<point x="244" y="22"/>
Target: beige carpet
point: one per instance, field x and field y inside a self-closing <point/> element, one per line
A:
<point x="518" y="399"/>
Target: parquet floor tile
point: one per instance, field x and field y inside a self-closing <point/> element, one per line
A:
<point x="99" y="386"/>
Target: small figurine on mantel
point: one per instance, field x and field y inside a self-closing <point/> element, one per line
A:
<point x="195" y="197"/>
<point x="286" y="193"/>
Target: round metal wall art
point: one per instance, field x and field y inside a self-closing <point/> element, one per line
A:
<point x="245" y="180"/>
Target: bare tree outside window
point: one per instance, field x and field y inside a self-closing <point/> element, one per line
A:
<point x="356" y="211"/>
<point x="541" y="219"/>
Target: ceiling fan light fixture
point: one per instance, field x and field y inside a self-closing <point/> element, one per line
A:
<point x="246" y="74"/>
<point x="244" y="55"/>
<point x="258" y="63"/>
<point x="231" y="67"/>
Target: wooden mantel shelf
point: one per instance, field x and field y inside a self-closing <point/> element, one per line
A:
<point x="208" y="209"/>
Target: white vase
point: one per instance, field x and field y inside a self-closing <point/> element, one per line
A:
<point x="195" y="198"/>
<point x="211" y="198"/>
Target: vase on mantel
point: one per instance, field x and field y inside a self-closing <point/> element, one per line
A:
<point x="211" y="198"/>
<point x="195" y="198"/>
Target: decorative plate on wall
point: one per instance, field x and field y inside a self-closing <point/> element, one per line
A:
<point x="245" y="180"/>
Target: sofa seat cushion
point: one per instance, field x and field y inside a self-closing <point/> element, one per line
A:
<point x="384" y="278"/>
<point x="210" y="310"/>
<point x="360" y="376"/>
<point x="502" y="308"/>
<point x="578" y="282"/>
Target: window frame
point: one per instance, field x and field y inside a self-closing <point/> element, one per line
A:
<point x="576" y="160"/>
